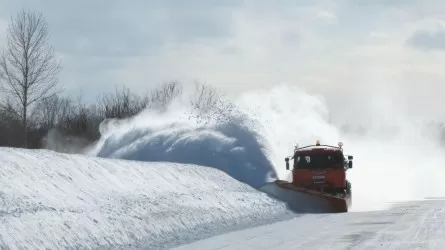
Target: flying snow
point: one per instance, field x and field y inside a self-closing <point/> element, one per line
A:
<point x="248" y="138"/>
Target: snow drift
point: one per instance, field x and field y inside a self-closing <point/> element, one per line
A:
<point x="56" y="201"/>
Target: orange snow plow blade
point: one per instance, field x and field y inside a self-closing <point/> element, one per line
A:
<point x="306" y="200"/>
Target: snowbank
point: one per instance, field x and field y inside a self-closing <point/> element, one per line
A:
<point x="52" y="200"/>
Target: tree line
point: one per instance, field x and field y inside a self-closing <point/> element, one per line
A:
<point x="32" y="106"/>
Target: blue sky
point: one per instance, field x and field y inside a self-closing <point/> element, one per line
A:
<point x="325" y="46"/>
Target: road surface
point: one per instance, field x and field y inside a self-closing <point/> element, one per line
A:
<point x="410" y="225"/>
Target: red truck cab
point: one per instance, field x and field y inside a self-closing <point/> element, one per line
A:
<point x="321" y="167"/>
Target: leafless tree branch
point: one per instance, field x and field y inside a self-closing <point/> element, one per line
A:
<point x="28" y="68"/>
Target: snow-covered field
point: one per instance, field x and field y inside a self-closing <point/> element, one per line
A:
<point x="58" y="201"/>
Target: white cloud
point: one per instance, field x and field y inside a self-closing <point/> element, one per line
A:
<point x="326" y="15"/>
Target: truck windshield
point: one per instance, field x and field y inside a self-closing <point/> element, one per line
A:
<point x="312" y="161"/>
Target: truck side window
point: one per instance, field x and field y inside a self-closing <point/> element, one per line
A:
<point x="296" y="161"/>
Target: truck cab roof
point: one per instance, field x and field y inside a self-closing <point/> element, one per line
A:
<point x="318" y="149"/>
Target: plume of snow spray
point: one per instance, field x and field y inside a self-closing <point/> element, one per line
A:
<point x="249" y="138"/>
<point x="219" y="137"/>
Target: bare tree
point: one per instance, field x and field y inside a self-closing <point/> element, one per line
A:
<point x="205" y="97"/>
<point x="28" y="68"/>
<point x="161" y="97"/>
<point x="122" y="104"/>
<point x="48" y="112"/>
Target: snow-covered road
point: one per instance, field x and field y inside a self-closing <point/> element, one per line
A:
<point x="410" y="225"/>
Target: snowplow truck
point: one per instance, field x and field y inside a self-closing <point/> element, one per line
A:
<point x="319" y="174"/>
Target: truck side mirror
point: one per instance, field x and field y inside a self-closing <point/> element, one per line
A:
<point x="350" y="157"/>
<point x="350" y="164"/>
<point x="287" y="162"/>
